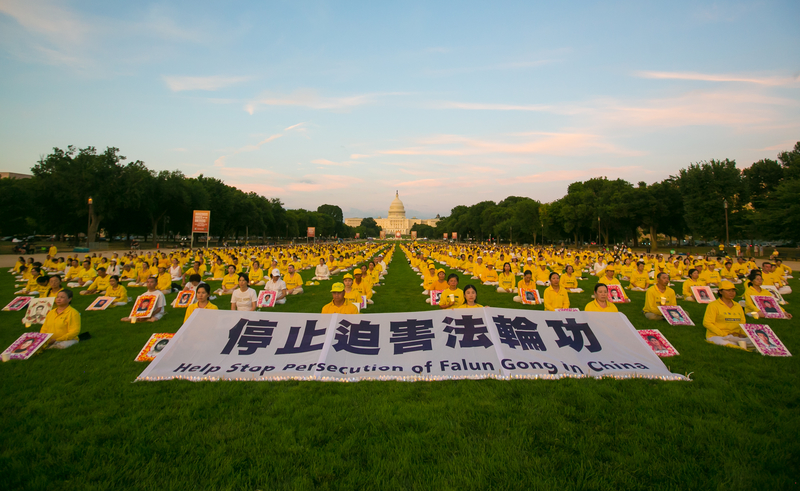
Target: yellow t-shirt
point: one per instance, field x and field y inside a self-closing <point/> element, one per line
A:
<point x="458" y="298"/>
<point x="721" y="320"/>
<point x="639" y="280"/>
<point x="191" y="308"/>
<point x="346" y="308"/>
<point x="293" y="281"/>
<point x="65" y="326"/>
<point x="230" y="281"/>
<point x="556" y="299"/>
<point x="120" y="293"/>
<point x="507" y="281"/>
<point x="652" y="299"/>
<point x="593" y="306"/>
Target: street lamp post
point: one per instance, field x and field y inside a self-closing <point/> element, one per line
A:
<point x="89" y="226"/>
<point x="727" y="236"/>
<point x="598" y="231"/>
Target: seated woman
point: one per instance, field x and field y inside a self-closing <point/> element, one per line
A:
<point x="277" y="285"/>
<point x="608" y="278"/>
<point x="470" y="298"/>
<point x="429" y="279"/>
<point x="693" y="280"/>
<point x="203" y="292"/>
<point x="754" y="282"/>
<point x="569" y="281"/>
<point x="722" y="320"/>
<point x="527" y="283"/>
<point x="439" y="285"/>
<point x="64" y="322"/>
<point x="229" y="282"/>
<point x="244" y="298"/>
<point x="256" y="274"/>
<point x="506" y="280"/>
<point x="489" y="276"/>
<point x="555" y="295"/>
<point x="142" y="274"/>
<point x="657" y="295"/>
<point x="600" y="302"/>
<point x="639" y="278"/>
<point x="117" y="290"/>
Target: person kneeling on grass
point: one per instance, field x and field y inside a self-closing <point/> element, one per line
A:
<point x="722" y="320"/>
<point x="453" y="296"/>
<point x="161" y="302"/>
<point x="244" y="298"/>
<point x="657" y="295"/>
<point x="338" y="304"/>
<point x="203" y="292"/>
<point x="64" y="322"/>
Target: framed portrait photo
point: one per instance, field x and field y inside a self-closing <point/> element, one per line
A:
<point x="775" y="293"/>
<point x="266" y="298"/>
<point x="436" y="296"/>
<point x="185" y="298"/>
<point x="17" y="304"/>
<point x="154" y="346"/>
<point x="363" y="303"/>
<point x="568" y="310"/>
<point x="768" y="307"/>
<point x="530" y="297"/>
<point x="101" y="303"/>
<point x="658" y="343"/>
<point x="675" y="315"/>
<point x="144" y="306"/>
<point x="37" y="310"/>
<point x="616" y="294"/>
<point x="26" y="345"/>
<point x="765" y="340"/>
<point x="703" y="294"/>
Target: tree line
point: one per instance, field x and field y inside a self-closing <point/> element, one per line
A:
<point x="128" y="199"/>
<point x="762" y="203"/>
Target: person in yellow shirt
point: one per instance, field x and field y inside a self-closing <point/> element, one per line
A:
<point x="164" y="281"/>
<point x="569" y="281"/>
<point x="627" y="269"/>
<point x="754" y="282"/>
<point x="639" y="278"/>
<point x="100" y="283"/>
<point x="338" y="304"/>
<point x="722" y="319"/>
<point x="555" y="295"/>
<point x="429" y="279"/>
<point x="440" y="284"/>
<point x="478" y="268"/>
<point x="657" y="295"/>
<point x="293" y="280"/>
<point x="229" y="282"/>
<point x="489" y="276"/>
<point x="773" y="278"/>
<point x="710" y="277"/>
<point x="53" y="250"/>
<point x="470" y="298"/>
<point x="541" y="274"/>
<point x="693" y="280"/>
<point x="85" y="276"/>
<point x="53" y="287"/>
<point x="218" y="270"/>
<point x="600" y="302"/>
<point x="728" y="273"/>
<point x="116" y="290"/>
<point x="453" y="296"/>
<point x="361" y="285"/>
<point x="608" y="278"/>
<point x="64" y="322"/>
<point x="203" y="292"/>
<point x="256" y="274"/>
<point x="506" y="280"/>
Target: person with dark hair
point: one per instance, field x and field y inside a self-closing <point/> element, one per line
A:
<point x="203" y="292"/>
<point x="453" y="296"/>
<point x="656" y="344"/>
<point x="555" y="295"/>
<point x="600" y="302"/>
<point x="53" y="287"/>
<point x="658" y="295"/>
<point x="507" y="280"/>
<point x="693" y="280"/>
<point x="63" y="321"/>
<point x="117" y="290"/>
<point x="470" y="298"/>
<point x="100" y="283"/>
<point x="753" y="287"/>
<point x="764" y="338"/>
<point x="527" y="284"/>
<point x="244" y="297"/>
<point x="161" y="302"/>
<point x="569" y="281"/>
<point x="723" y="318"/>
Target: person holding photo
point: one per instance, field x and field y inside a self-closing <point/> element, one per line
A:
<point x="722" y="319"/>
<point x="754" y="283"/>
<point x="658" y="295"/>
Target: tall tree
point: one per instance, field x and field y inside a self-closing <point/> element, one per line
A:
<point x="705" y="187"/>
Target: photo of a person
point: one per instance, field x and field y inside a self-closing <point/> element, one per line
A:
<point x="158" y="347"/>
<point x="185" y="298"/>
<point x="99" y="304"/>
<point x="25" y="346"/>
<point x="764" y="338"/>
<point x="703" y="295"/>
<point x="529" y="296"/>
<point x="655" y="343"/>
<point x="675" y="315"/>
<point x="143" y="306"/>
<point x="18" y="303"/>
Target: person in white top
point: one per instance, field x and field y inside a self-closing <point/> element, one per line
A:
<point x="175" y="271"/>
<point x="322" y="272"/>
<point x="244" y="297"/>
<point x="276" y="284"/>
<point x="161" y="302"/>
<point x="113" y="268"/>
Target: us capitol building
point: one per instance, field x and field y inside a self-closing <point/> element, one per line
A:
<point x="396" y="221"/>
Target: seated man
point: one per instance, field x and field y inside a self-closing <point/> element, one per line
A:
<point x="85" y="276"/>
<point x="276" y="284"/>
<point x="722" y="319"/>
<point x="161" y="302"/>
<point x="773" y="278"/>
<point x="294" y="282"/>
<point x="100" y="283"/>
<point x="657" y="295"/>
<point x="338" y="304"/>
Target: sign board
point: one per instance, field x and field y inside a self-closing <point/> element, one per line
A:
<point x="383" y="234"/>
<point x="397" y="235"/>
<point x="455" y="235"/>
<point x="200" y="221"/>
<point x="310" y="232"/>
<point x="414" y="234"/>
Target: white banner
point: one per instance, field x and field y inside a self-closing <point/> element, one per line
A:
<point x="432" y="345"/>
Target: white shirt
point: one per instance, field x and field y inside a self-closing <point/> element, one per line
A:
<point x="160" y="302"/>
<point x="322" y="271"/>
<point x="275" y="286"/>
<point x="176" y="272"/>
<point x="244" y="300"/>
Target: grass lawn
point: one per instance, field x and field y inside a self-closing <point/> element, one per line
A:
<point x="73" y="419"/>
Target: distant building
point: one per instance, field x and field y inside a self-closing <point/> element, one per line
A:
<point x="14" y="175"/>
<point x="396" y="221"/>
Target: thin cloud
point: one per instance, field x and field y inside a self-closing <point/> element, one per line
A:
<point x="357" y="156"/>
<point x="214" y="82"/>
<point x="298" y="125"/>
<point x="710" y="77"/>
<point x="330" y="163"/>
<point x="48" y="18"/>
<point x="311" y="99"/>
<point x="327" y="182"/>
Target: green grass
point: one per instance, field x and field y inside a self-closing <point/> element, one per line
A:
<point x="73" y="419"/>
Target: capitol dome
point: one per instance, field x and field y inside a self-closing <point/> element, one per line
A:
<point x="396" y="209"/>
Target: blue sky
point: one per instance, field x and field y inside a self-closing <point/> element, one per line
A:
<point x="448" y="102"/>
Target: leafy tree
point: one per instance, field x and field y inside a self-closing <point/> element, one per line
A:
<point x="15" y="199"/>
<point x="704" y="187"/>
<point x="334" y="211"/>
<point x="369" y="227"/>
